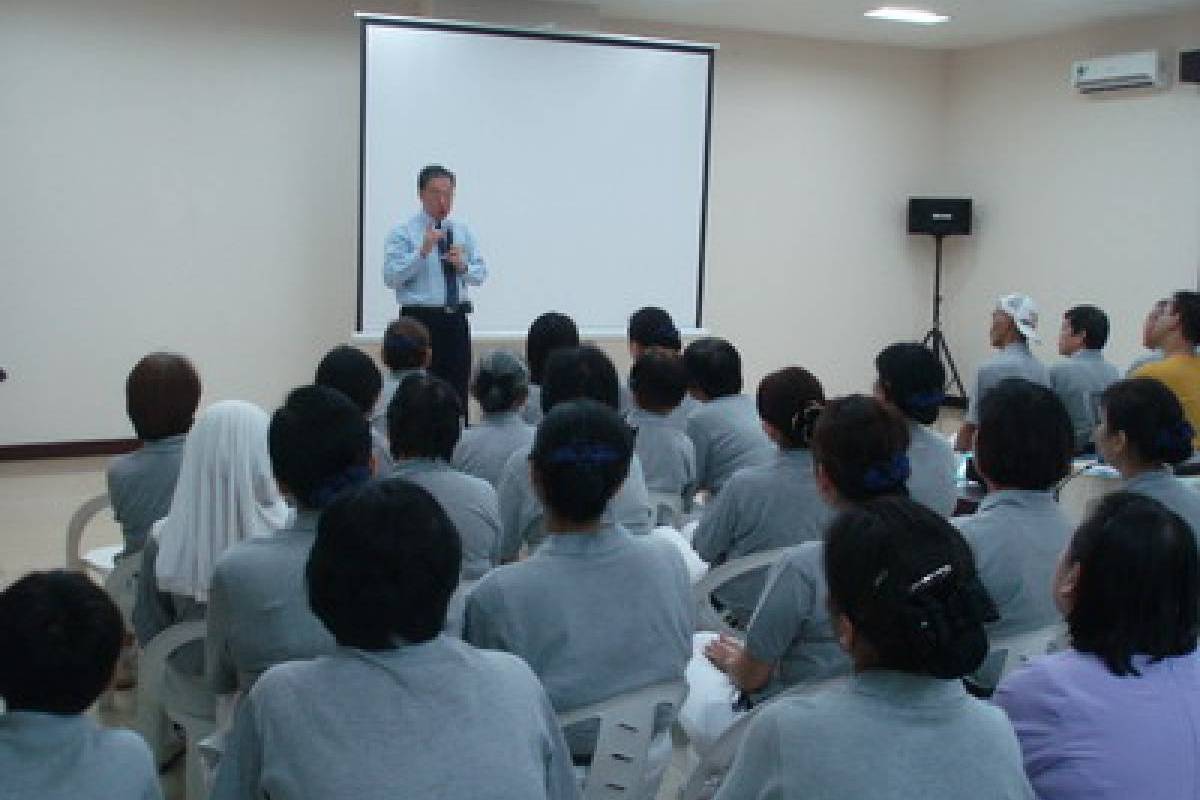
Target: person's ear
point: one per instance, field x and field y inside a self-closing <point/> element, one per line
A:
<point x="428" y="358"/>
<point x="843" y="631"/>
<point x="1066" y="586"/>
<point x="535" y="479"/>
<point x="825" y="487"/>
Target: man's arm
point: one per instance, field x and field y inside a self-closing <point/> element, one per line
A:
<point x="476" y="268"/>
<point x="402" y="258"/>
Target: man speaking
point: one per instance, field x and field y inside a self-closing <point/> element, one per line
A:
<point x="429" y="261"/>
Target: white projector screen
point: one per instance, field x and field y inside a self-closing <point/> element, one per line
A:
<point x="581" y="164"/>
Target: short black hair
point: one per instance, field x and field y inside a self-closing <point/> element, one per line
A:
<point x="1025" y="439"/>
<point x="653" y="327"/>
<point x="1091" y="322"/>
<point x="580" y="458"/>
<point x="714" y="367"/>
<point x="790" y="400"/>
<point x="501" y="381"/>
<point x="162" y="394"/>
<point x="1150" y="416"/>
<point x="353" y="373"/>
<point x="862" y="446"/>
<point x="1187" y="306"/>
<point x="320" y="445"/>
<point x="384" y="565"/>
<point x="576" y="372"/>
<point x="912" y="379"/>
<point x="405" y="344"/>
<point x="658" y="380"/>
<point x="425" y="418"/>
<point x="1138" y="589"/>
<point x="60" y="635"/>
<point x="432" y="172"/>
<point x="906" y="579"/>
<point x="548" y="333"/>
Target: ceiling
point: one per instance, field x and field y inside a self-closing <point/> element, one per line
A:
<point x="973" y="23"/>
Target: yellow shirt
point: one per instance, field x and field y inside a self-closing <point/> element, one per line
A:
<point x="1180" y="374"/>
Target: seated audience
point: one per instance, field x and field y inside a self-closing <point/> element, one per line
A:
<point x="406" y="351"/>
<point x="725" y="429"/>
<point x="570" y="374"/>
<point x="1023" y="450"/>
<point x="1115" y="716"/>
<point x="399" y="709"/>
<point x="500" y="386"/>
<point x="658" y="381"/>
<point x="911" y="380"/>
<point x="353" y="373"/>
<point x="161" y="397"/>
<point x="1014" y="324"/>
<point x="773" y="505"/>
<point x="652" y="328"/>
<point x="594" y="611"/>
<point x="1142" y="434"/>
<point x="909" y="609"/>
<point x="258" y="614"/>
<point x="1173" y="326"/>
<point x="60" y="636"/>
<point x="549" y="332"/>
<point x="1079" y="380"/>
<point x="424" y="423"/>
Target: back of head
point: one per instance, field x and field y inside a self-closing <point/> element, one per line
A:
<point x="501" y="382"/>
<point x="790" y="401"/>
<point x="320" y="445"/>
<point x="548" y="333"/>
<point x="861" y="445"/>
<point x="60" y="636"/>
<point x="658" y="380"/>
<point x="1137" y="589"/>
<point x="653" y="327"/>
<point x="1091" y="322"/>
<point x="353" y="373"/>
<point x="1150" y="416"/>
<point x="580" y="458"/>
<point x="714" y="367"/>
<point x="906" y="580"/>
<point x="424" y="419"/>
<point x="1024" y="439"/>
<point x="580" y="372"/>
<point x="1187" y="306"/>
<point x="405" y="344"/>
<point x="384" y="565"/>
<point x="912" y="378"/>
<point x="162" y="393"/>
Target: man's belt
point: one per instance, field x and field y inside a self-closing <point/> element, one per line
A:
<point x="465" y="307"/>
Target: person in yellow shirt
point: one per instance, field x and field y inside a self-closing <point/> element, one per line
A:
<point x="1173" y="326"/>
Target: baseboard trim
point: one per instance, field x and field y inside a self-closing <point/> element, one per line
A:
<point x="41" y="450"/>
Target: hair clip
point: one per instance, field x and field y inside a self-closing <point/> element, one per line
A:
<point x="926" y="399"/>
<point x="882" y="477"/>
<point x="937" y="576"/>
<point x="406" y="342"/>
<point x="582" y="453"/>
<point x="348" y="478"/>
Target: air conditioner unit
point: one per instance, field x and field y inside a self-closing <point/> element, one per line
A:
<point x="1123" y="71"/>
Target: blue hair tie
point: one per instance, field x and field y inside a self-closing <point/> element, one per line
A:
<point x="583" y="453"/>
<point x="926" y="399"/>
<point x="348" y="478"/>
<point x="1177" y="437"/>
<point x="884" y="477"/>
<point x="404" y="342"/>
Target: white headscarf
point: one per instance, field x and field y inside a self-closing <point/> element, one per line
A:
<point x="225" y="493"/>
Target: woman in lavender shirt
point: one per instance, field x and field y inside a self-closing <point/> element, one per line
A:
<point x="1116" y="714"/>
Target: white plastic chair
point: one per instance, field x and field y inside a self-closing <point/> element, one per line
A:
<point x="1079" y="493"/>
<point x="191" y="705"/>
<point x="707" y="617"/>
<point x="151" y="719"/>
<point x="619" y="764"/>
<point x="668" y="508"/>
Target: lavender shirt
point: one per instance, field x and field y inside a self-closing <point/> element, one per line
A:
<point x="1086" y="733"/>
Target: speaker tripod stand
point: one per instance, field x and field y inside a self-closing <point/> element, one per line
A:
<point x="935" y="340"/>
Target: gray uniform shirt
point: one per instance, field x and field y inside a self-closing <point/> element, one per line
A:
<point x="1017" y="536"/>
<point x="71" y="757"/>
<point x="884" y="735"/>
<point x="522" y="516"/>
<point x="1013" y="361"/>
<point x="593" y="614"/>
<point x="1079" y="381"/>
<point x="667" y="454"/>
<point x="1173" y="493"/>
<point x="933" y="480"/>
<point x="469" y="502"/>
<point x="141" y="485"/>
<point x="258" y="613"/>
<point x="677" y="416"/>
<point x="761" y="508"/>
<point x="484" y="449"/>
<point x="433" y="720"/>
<point x="728" y="435"/>
<point x="791" y="627"/>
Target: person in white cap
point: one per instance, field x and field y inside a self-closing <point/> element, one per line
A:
<point x="1014" y="324"/>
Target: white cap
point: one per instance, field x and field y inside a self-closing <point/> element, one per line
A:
<point x="1024" y="314"/>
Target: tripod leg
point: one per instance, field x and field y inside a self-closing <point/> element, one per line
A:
<point x="944" y="347"/>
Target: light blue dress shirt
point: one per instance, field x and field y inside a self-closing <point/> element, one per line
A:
<point x="420" y="281"/>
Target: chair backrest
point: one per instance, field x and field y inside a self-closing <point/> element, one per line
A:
<point x="668" y="508"/>
<point x="619" y="763"/>
<point x="151" y="721"/>
<point x="79" y="522"/>
<point x="707" y="617"/>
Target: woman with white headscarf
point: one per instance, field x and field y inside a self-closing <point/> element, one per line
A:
<point x="225" y="493"/>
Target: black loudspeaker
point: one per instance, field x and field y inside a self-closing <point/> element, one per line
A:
<point x="1189" y="66"/>
<point x="939" y="216"/>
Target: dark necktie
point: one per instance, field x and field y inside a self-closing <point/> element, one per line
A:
<point x="451" y="276"/>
